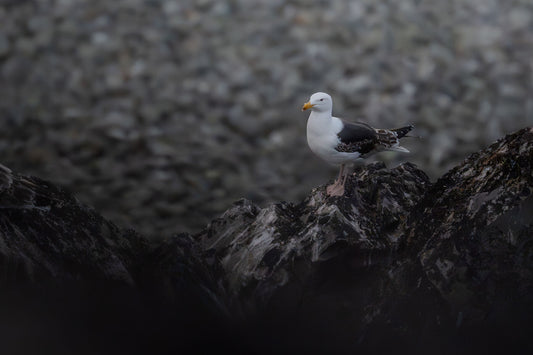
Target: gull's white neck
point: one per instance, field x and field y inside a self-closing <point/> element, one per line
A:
<point x="321" y="114"/>
<point x="318" y="121"/>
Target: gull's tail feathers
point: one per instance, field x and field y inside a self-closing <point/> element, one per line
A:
<point x="389" y="139"/>
<point x="402" y="132"/>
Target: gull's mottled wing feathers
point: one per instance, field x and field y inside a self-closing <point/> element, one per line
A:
<point x="362" y="138"/>
<point x="357" y="137"/>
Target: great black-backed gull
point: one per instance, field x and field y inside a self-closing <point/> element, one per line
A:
<point x="340" y="142"/>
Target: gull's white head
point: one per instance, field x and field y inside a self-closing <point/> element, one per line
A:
<point x="319" y="101"/>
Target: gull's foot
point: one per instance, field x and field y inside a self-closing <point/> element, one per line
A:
<point x="335" y="190"/>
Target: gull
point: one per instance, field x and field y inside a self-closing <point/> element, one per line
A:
<point x="339" y="142"/>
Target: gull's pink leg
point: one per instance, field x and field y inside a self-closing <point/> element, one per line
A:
<point x="337" y="188"/>
<point x="341" y="172"/>
<point x="344" y="182"/>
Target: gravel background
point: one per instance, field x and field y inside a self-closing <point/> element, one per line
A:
<point x="161" y="113"/>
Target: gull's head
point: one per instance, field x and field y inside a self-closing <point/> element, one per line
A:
<point x="319" y="101"/>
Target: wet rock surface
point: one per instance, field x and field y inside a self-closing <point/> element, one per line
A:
<point x="397" y="264"/>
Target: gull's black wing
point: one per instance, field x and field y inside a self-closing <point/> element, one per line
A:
<point x="357" y="137"/>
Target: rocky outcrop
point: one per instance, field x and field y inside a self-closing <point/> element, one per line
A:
<point x="263" y="250"/>
<point x="472" y="237"/>
<point x="45" y="233"/>
<point x="422" y="263"/>
<point x="398" y="263"/>
<point x="73" y="282"/>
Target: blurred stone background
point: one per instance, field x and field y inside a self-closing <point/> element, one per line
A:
<point x="161" y="113"/>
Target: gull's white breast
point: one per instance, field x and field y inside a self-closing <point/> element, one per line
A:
<point x="322" y="138"/>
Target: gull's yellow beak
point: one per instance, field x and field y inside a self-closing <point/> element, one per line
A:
<point x="306" y="106"/>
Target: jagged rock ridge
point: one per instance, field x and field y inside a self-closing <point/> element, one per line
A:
<point x="258" y="248"/>
<point x="46" y="233"/>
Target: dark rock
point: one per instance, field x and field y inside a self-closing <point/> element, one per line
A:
<point x="66" y="272"/>
<point x="397" y="264"/>
<point x="47" y="234"/>
<point x="258" y="249"/>
<point x="422" y="266"/>
<point x="472" y="233"/>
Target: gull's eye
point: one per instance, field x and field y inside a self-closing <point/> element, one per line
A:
<point x="321" y="99"/>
